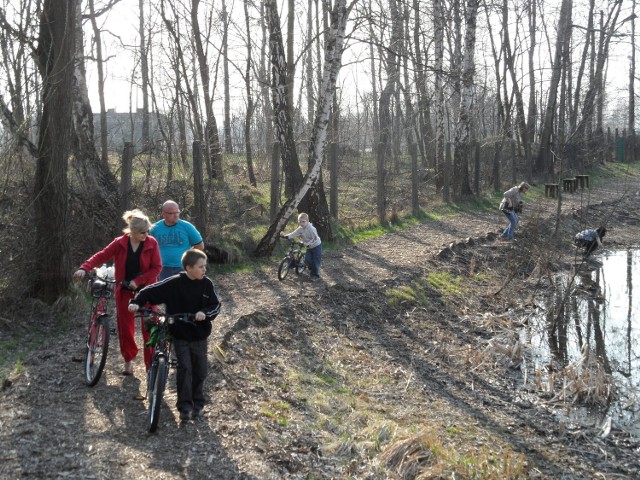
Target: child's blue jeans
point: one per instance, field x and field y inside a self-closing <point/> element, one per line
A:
<point x="313" y="259"/>
<point x="513" y="222"/>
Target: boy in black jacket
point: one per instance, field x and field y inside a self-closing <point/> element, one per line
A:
<point x="187" y="292"/>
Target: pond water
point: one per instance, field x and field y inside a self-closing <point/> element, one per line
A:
<point x="586" y="342"/>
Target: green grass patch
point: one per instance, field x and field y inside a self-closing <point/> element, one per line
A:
<point x="277" y="412"/>
<point x="408" y="293"/>
<point x="444" y="283"/>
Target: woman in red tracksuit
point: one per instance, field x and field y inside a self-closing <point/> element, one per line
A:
<point x="136" y="258"/>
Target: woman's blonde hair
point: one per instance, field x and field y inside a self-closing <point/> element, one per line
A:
<point x="137" y="221"/>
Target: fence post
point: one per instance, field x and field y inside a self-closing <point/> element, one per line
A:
<point x="274" y="203"/>
<point x="333" y="178"/>
<point x="125" y="176"/>
<point x="199" y="204"/>
<point x="446" y="170"/>
<point x="476" y="157"/>
<point x="415" y="202"/>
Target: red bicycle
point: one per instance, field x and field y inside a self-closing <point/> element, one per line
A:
<point x="98" y="332"/>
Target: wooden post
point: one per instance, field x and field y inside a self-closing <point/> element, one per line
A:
<point x="274" y="203"/>
<point x="415" y="204"/>
<point x="514" y="179"/>
<point x="476" y="176"/>
<point x="446" y="170"/>
<point x="199" y="203"/>
<point x="333" y="178"/>
<point x="125" y="176"/>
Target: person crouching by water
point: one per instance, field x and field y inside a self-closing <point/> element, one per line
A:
<point x="511" y="205"/>
<point x="309" y="236"/>
<point x="136" y="259"/>
<point x="590" y="240"/>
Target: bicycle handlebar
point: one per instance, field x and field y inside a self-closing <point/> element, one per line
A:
<point x="295" y="242"/>
<point x="146" y="312"/>
<point x="95" y="276"/>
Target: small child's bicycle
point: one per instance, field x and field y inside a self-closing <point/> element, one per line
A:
<point x="293" y="260"/>
<point x="98" y="332"/>
<point x="158" y="326"/>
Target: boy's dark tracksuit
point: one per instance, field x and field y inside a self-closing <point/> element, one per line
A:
<point x="180" y="294"/>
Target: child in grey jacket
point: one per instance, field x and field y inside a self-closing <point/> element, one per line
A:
<point x="309" y="236"/>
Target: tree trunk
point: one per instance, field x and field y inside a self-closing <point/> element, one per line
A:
<point x="104" y="148"/>
<point x="228" y="144"/>
<point x="309" y="65"/>
<point x="199" y="199"/>
<point x="211" y="125"/>
<point x="632" y="78"/>
<point x="438" y="21"/>
<point x="281" y="107"/>
<point x="250" y="104"/>
<point x="544" y="163"/>
<point x="334" y="46"/>
<point x="99" y="187"/>
<point x="56" y="44"/>
<point x="265" y="81"/>
<point x="385" y="141"/>
<point x="573" y="112"/>
<point x="425" y="138"/>
<point x="520" y="115"/>
<point x="144" y="73"/>
<point x="463" y="141"/>
<point x="532" y="111"/>
<point x="595" y="90"/>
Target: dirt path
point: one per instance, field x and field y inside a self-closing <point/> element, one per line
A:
<point x="262" y="422"/>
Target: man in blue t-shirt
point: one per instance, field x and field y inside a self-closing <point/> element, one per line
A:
<point x="175" y="236"/>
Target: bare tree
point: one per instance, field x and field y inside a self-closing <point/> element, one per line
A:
<point x="438" y="22"/>
<point x="99" y="186"/>
<point x="544" y="163"/>
<point x="250" y="103"/>
<point x="463" y="146"/>
<point x="228" y="144"/>
<point x="211" y="128"/>
<point x="632" y="78"/>
<point x="383" y="149"/>
<point x="595" y="90"/>
<point x="144" y="73"/>
<point x="55" y="52"/>
<point x="332" y="64"/>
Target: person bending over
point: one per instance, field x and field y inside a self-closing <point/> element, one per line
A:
<point x="590" y="240"/>
<point x="511" y="206"/>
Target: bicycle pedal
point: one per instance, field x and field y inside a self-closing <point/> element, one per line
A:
<point x="173" y="362"/>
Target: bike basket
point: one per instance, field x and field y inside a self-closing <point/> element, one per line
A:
<point x="100" y="289"/>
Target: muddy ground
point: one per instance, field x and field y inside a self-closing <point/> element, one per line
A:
<point x="323" y="379"/>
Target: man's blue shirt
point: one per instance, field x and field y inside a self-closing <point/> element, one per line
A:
<point x="174" y="240"/>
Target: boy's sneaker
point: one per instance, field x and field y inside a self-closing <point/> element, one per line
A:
<point x="184" y="416"/>
<point x="197" y="414"/>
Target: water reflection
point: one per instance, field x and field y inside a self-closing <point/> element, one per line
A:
<point x="584" y="344"/>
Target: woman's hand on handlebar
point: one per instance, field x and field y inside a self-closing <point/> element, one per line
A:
<point x="79" y="274"/>
<point x="133" y="307"/>
<point x="200" y="316"/>
<point x="132" y="285"/>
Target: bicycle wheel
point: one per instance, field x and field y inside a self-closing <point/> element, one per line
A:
<point x="284" y="267"/>
<point x="300" y="265"/>
<point x="95" y="355"/>
<point x="155" y="399"/>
